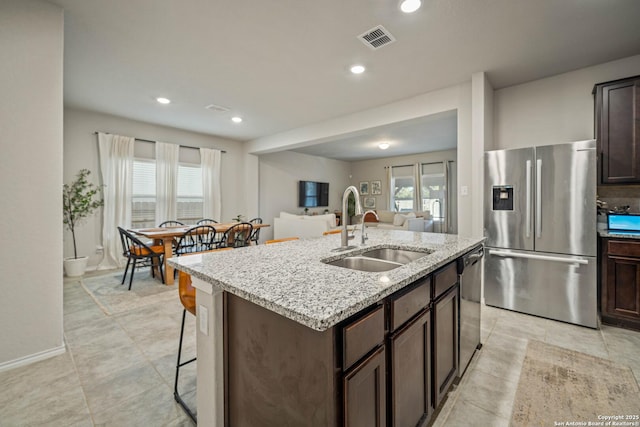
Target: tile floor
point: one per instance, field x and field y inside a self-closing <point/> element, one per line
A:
<point x="119" y="370"/>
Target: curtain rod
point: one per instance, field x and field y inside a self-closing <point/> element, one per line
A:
<point x="422" y="163"/>
<point x="148" y="140"/>
<point x="398" y="166"/>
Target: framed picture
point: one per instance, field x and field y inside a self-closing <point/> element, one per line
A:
<point x="369" y="202"/>
<point x="376" y="187"/>
<point x="364" y="188"/>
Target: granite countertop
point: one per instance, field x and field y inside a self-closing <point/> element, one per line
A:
<point x="619" y="234"/>
<point x="290" y="278"/>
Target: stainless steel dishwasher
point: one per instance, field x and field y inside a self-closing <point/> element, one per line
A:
<point x="470" y="271"/>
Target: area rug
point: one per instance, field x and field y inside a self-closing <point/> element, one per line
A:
<point x="114" y="298"/>
<point x="559" y="387"/>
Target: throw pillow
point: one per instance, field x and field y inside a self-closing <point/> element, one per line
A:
<point x="399" y="219"/>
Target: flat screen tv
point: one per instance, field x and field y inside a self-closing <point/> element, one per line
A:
<point x="313" y="194"/>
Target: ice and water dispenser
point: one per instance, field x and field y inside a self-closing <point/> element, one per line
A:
<point x="502" y="197"/>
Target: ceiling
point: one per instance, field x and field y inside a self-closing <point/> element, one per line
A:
<point x="436" y="132"/>
<point x="284" y="64"/>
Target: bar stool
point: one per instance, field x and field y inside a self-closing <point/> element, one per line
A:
<point x="187" y="295"/>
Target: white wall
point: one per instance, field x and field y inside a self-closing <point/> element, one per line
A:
<point x="279" y="176"/>
<point x="556" y="109"/>
<point x="31" y="51"/>
<point x="81" y="151"/>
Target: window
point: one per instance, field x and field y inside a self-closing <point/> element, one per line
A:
<point x="433" y="189"/>
<point x="190" y="196"/>
<point x="403" y="185"/>
<point x="143" y="200"/>
<point x="143" y="203"/>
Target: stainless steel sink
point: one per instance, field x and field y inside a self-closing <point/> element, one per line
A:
<point x="381" y="259"/>
<point x="402" y="256"/>
<point x="365" y="264"/>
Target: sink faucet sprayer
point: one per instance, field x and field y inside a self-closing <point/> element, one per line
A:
<point x="344" y="242"/>
<point x="364" y="236"/>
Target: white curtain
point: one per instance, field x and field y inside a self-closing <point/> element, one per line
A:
<point x="389" y="179"/>
<point x="116" y="165"/>
<point x="417" y="189"/>
<point x="166" y="181"/>
<point x="210" y="163"/>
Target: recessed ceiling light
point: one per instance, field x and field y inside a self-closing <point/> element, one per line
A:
<point x="383" y="145"/>
<point x="162" y="100"/>
<point x="236" y="119"/>
<point x="357" y="69"/>
<point x="410" y="6"/>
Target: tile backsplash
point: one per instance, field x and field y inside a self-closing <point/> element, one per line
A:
<point x="620" y="195"/>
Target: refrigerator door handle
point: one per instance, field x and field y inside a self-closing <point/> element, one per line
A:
<point x="538" y="198"/>
<point x="528" y="195"/>
<point x="539" y="257"/>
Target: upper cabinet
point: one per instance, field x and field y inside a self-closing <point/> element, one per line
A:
<point x="617" y="128"/>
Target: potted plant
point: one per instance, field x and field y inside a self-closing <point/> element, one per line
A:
<point x="80" y="199"/>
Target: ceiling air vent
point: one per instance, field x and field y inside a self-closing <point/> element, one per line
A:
<point x="377" y="37"/>
<point x="217" y="108"/>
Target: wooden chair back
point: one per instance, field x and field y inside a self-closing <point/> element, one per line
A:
<point x="284" y="239"/>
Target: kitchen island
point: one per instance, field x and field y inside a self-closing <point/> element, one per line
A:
<point x="286" y="339"/>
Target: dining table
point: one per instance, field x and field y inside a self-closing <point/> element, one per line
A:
<point x="165" y="236"/>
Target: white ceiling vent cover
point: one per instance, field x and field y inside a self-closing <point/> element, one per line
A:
<point x="217" y="108"/>
<point x="377" y="37"/>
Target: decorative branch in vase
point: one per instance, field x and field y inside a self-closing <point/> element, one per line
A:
<point x="80" y="199"/>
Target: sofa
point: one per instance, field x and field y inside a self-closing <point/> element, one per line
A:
<point x="291" y="225"/>
<point x="390" y="220"/>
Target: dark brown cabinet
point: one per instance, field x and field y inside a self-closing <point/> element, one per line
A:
<point x="617" y="109"/>
<point x="390" y="364"/>
<point x="445" y="342"/>
<point x="364" y="391"/>
<point x="620" y="269"/>
<point x="410" y="347"/>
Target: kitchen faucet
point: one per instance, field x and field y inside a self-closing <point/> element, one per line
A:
<point x="364" y="236"/>
<point x="344" y="235"/>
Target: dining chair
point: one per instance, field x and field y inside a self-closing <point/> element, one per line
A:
<point x="197" y="239"/>
<point x="237" y="236"/>
<point x="206" y="221"/>
<point x="187" y="294"/>
<point x="171" y="223"/>
<point x="336" y="231"/>
<point x="135" y="249"/>
<point x="255" y="234"/>
<point x="284" y="239"/>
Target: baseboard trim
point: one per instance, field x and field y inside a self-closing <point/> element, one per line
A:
<point x="32" y="358"/>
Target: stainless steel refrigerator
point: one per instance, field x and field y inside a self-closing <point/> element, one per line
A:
<point x="540" y="224"/>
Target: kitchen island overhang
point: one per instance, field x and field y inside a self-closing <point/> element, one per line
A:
<point x="291" y="280"/>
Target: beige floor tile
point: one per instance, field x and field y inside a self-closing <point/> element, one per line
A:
<point x="102" y="364"/>
<point x="507" y="364"/>
<point x="153" y="407"/>
<point x="123" y="385"/>
<point x="53" y="404"/>
<point x="466" y="414"/>
<point x="577" y="338"/>
<point x="520" y="328"/>
<point x="30" y="382"/>
<point x="492" y="392"/>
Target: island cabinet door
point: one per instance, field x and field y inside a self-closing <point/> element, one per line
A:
<point x="364" y="390"/>
<point x="410" y="375"/>
<point x="445" y="342"/>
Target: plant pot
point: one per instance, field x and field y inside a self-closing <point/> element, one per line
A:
<point x="75" y="267"/>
